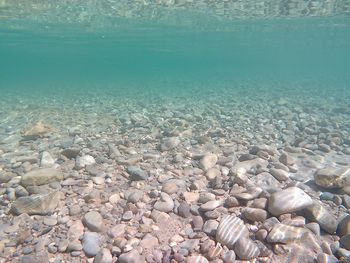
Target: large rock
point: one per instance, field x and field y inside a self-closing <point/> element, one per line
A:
<point x="288" y="200"/>
<point x="332" y="177"/>
<point x="41" y="177"/>
<point x="230" y="229"/>
<point x="36" y="204"/>
<point x="317" y="213"/>
<point x="91" y="244"/>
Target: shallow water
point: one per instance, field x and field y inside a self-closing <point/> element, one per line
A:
<point x="260" y="87"/>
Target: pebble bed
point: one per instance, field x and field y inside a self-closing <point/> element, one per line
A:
<point x="229" y="177"/>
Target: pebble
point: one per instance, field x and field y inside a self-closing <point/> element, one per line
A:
<point x="210" y="205"/>
<point x="169" y="143"/>
<point x="230" y="229"/>
<point x="324" y="258"/>
<point x="46" y="160"/>
<point x="345" y="241"/>
<point x="165" y="204"/>
<point x="196" y="259"/>
<point x="255" y="214"/>
<point x="132" y="256"/>
<point x="229" y="257"/>
<point x="344" y="226"/>
<point x="136" y="173"/>
<point x="184" y="210"/>
<point x="210" y="227"/>
<point x="91" y="244"/>
<point x="281" y="233"/>
<point x="82" y="161"/>
<point x="103" y="256"/>
<point x="246" y="249"/>
<point x="208" y="161"/>
<point x="279" y="174"/>
<point x="93" y="221"/>
<point x="170" y="188"/>
<point x="288" y="200"/>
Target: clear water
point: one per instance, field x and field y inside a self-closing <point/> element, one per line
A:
<point x="65" y="49"/>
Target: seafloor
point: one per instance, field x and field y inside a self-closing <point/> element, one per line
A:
<point x="212" y="175"/>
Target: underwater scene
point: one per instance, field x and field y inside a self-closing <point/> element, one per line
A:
<point x="165" y="131"/>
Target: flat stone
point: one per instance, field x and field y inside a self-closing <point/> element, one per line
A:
<point x="332" y="177"/>
<point x="91" y="244"/>
<point x="288" y="200"/>
<point x="130" y="257"/>
<point x="36" y="204"/>
<point x="136" y="173"/>
<point x="211" y="205"/>
<point x="184" y="210"/>
<point x="41" y="176"/>
<point x="281" y="233"/>
<point x="255" y="214"/>
<point x="191" y="197"/>
<point x="230" y="229"/>
<point x="103" y="256"/>
<point x="210" y="227"/>
<point x="94" y="221"/>
<point x="165" y="204"/>
<point x="317" y="213"/>
<point x="208" y="161"/>
<point x="279" y="174"/>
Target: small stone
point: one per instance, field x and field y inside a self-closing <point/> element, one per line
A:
<point x="70" y="153"/>
<point x="46" y="160"/>
<point x="344" y="226"/>
<point x="184" y="210"/>
<point x="50" y="221"/>
<point x="82" y="161"/>
<point x="210" y="205"/>
<point x="281" y="233"/>
<point x="196" y="259"/>
<point x="286" y="159"/>
<point x="170" y="188"/>
<point x="74" y="210"/>
<point x="136" y="173"/>
<point x="169" y="143"/>
<point x="208" y="161"/>
<point x="317" y="213"/>
<point x="75" y="231"/>
<point x="116" y="231"/>
<point x="103" y="256"/>
<point x="94" y="221"/>
<point x="41" y="176"/>
<point x="127" y="216"/>
<point x="210" y="227"/>
<point x="288" y="200"/>
<point x="91" y="244"/>
<point x="345" y="241"/>
<point x="324" y="258"/>
<point x="255" y="214"/>
<point x="212" y="174"/>
<point x="27" y="250"/>
<point x="131" y="257"/>
<point x="279" y="174"/>
<point x="229" y="257"/>
<point x="197" y="222"/>
<point x="165" y="204"/>
<point x="98" y="180"/>
<point x="191" y="197"/>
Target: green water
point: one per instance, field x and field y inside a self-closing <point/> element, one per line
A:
<point x="138" y="54"/>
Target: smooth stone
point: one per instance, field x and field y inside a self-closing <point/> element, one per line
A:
<point x="50" y="221"/>
<point x="230" y="229"/>
<point x="74" y="246"/>
<point x="82" y="161"/>
<point x="98" y="180"/>
<point x="210" y="205"/>
<point x="103" y="256"/>
<point x="184" y="210"/>
<point x="169" y="143"/>
<point x="344" y="226"/>
<point x="197" y="222"/>
<point x="165" y="204"/>
<point x="149" y="242"/>
<point x="196" y="259"/>
<point x="135" y="196"/>
<point x="70" y="153"/>
<point x="74" y="210"/>
<point x="36" y="204"/>
<point x="345" y="241"/>
<point x="136" y="173"/>
<point x="46" y="160"/>
<point x="75" y="231"/>
<point x="281" y="233"/>
<point x="279" y="174"/>
<point x="91" y="244"/>
<point x="191" y="197"/>
<point x="314" y="227"/>
<point x="324" y="258"/>
<point x="286" y="159"/>
<point x="246" y="249"/>
<point x="170" y="188"/>
<point x="229" y="257"/>
<point x="117" y="231"/>
<point x="210" y="227"/>
<point x="93" y="221"/>
<point x="208" y="161"/>
<point x="212" y="174"/>
<point x="255" y="214"/>
<point x="127" y="216"/>
<point x="332" y="177"/>
<point x="288" y="200"/>
<point x="41" y="176"/>
<point x="132" y="256"/>
<point x="6" y="177"/>
<point x="317" y="213"/>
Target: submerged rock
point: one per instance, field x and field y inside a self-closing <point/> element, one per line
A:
<point x="41" y="176"/>
<point x="136" y="173"/>
<point x="332" y="177"/>
<point x="36" y="204"/>
<point x="39" y="130"/>
<point x="230" y="229"/>
<point x="317" y="213"/>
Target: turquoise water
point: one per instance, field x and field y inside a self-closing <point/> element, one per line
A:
<point x="140" y="54"/>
